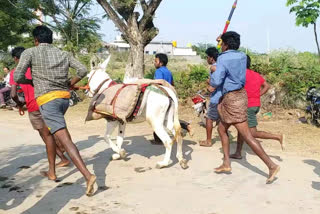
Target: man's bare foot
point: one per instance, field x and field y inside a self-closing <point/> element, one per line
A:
<point x="64" y="163"/>
<point x="236" y="156"/>
<point x="190" y="130"/>
<point x="272" y="174"/>
<point x="282" y="142"/>
<point x="223" y="169"/>
<point x="205" y="143"/>
<point x="48" y="175"/>
<point x="90" y="184"/>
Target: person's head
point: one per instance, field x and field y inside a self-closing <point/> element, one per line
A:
<point x="212" y="55"/>
<point x="42" y="34"/>
<point x="160" y="60"/>
<point x="6" y="69"/>
<point x="230" y="41"/>
<point x="16" y="53"/>
<point x="248" y="62"/>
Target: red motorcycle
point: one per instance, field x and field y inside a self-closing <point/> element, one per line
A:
<point x="200" y="106"/>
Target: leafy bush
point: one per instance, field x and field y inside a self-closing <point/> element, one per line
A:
<point x="187" y="83"/>
<point x="292" y="73"/>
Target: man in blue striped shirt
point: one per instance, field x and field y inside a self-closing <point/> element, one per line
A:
<point x="231" y="76"/>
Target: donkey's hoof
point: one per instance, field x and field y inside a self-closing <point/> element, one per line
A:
<point x="123" y="154"/>
<point x="184" y="164"/>
<point x="162" y="164"/>
<point x="116" y="157"/>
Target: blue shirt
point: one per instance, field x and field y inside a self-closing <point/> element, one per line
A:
<point x="215" y="96"/>
<point x="231" y="71"/>
<point x="163" y="73"/>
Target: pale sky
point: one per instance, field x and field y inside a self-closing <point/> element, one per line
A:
<point x="201" y="21"/>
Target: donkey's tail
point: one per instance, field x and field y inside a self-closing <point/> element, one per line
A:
<point x="175" y="107"/>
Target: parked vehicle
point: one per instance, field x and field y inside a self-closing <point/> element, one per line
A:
<point x="200" y="106"/>
<point x="313" y="109"/>
<point x="74" y="99"/>
<point x="7" y="99"/>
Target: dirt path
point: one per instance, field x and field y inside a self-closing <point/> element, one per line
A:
<point x="136" y="186"/>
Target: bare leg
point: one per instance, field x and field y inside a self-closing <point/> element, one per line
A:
<point x="237" y="154"/>
<point x="60" y="150"/>
<point x="73" y="152"/>
<point x="243" y="129"/>
<point x="223" y="133"/>
<point x="209" y="127"/>
<point x="265" y="135"/>
<point x="186" y="126"/>
<point x="51" y="152"/>
<point x="64" y="160"/>
<point x="65" y="139"/>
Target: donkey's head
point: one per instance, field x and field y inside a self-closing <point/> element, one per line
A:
<point x="97" y="75"/>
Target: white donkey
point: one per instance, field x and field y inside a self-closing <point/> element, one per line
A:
<point x="161" y="112"/>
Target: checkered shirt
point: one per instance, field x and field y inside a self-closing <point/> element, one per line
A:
<point x="49" y="67"/>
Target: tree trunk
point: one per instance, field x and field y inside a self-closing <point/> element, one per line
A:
<point x="316" y="36"/>
<point x="135" y="66"/>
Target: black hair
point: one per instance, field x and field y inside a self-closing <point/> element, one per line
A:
<point x="248" y="62"/>
<point x="16" y="52"/>
<point x="213" y="52"/>
<point x="43" y="34"/>
<point x="232" y="39"/>
<point x="6" y="67"/>
<point x="162" y="58"/>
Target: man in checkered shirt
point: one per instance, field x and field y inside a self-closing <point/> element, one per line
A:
<point x="50" y="68"/>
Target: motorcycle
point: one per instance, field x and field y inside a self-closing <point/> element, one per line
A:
<point x="313" y="110"/>
<point x="7" y="98"/>
<point x="74" y="99"/>
<point x="200" y="106"/>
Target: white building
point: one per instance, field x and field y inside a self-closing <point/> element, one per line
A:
<point x="154" y="47"/>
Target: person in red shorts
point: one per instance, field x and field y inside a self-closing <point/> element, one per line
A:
<point x="33" y="110"/>
<point x="255" y="86"/>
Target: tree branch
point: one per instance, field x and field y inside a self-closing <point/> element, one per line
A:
<point x="60" y="27"/>
<point x="148" y="14"/>
<point x="144" y="5"/>
<point x="113" y="16"/>
<point x="133" y="36"/>
<point x="79" y="11"/>
<point x="34" y="16"/>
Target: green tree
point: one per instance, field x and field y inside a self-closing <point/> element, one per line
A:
<point x="201" y="48"/>
<point x="73" y="21"/>
<point x="137" y="31"/>
<point x="307" y="12"/>
<point x="15" y="19"/>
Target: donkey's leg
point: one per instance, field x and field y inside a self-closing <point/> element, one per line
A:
<point x="111" y="125"/>
<point x="167" y="142"/>
<point x="183" y="162"/>
<point x="120" y="137"/>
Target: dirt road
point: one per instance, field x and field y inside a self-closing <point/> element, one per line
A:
<point x="136" y="186"/>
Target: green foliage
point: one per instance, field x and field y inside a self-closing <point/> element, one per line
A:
<point x="307" y="11"/>
<point x="291" y="72"/>
<point x="187" y="83"/>
<point x="150" y="73"/>
<point x="73" y="22"/>
<point x="15" y="20"/>
<point x="201" y="48"/>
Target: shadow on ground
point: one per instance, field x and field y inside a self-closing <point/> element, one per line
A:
<point x="316" y="164"/>
<point x="133" y="145"/>
<point x="25" y="158"/>
<point x="244" y="162"/>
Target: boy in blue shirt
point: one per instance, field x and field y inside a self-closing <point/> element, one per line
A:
<point x="162" y="72"/>
<point x="212" y="112"/>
